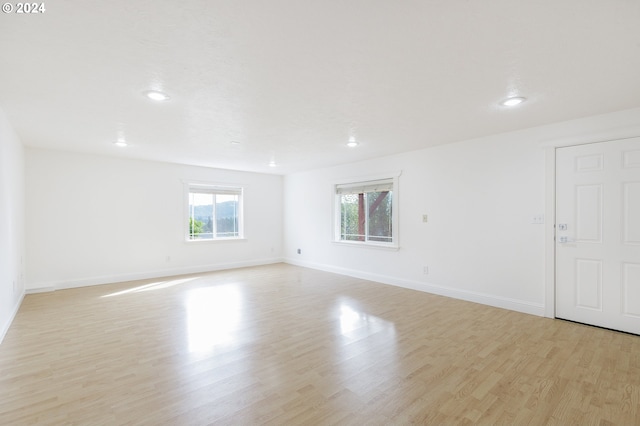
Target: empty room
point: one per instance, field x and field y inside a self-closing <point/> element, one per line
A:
<point x="319" y="212"/>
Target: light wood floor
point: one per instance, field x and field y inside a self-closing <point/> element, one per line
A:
<point x="283" y="345"/>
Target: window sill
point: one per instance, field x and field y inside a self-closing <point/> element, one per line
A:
<point x="216" y="240"/>
<point x="389" y="247"/>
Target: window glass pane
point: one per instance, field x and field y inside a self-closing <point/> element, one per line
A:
<point x="226" y="216"/>
<point x="366" y="211"/>
<point x="201" y="216"/>
<point x="350" y="217"/>
<point x="215" y="212"/>
<point x="379" y="219"/>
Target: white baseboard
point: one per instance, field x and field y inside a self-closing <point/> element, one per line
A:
<point x="117" y="278"/>
<point x="470" y="296"/>
<point x="5" y="327"/>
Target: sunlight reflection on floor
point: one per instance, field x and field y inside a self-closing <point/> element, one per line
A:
<point x="351" y="319"/>
<point x="213" y="317"/>
<point x="153" y="286"/>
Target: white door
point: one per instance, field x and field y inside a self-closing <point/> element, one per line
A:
<point x="598" y="234"/>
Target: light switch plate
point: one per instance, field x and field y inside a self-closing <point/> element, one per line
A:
<point x="537" y="219"/>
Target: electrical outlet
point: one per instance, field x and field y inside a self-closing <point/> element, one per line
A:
<point x="425" y="270"/>
<point x="425" y="218"/>
<point x="299" y="251"/>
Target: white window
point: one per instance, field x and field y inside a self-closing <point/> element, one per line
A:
<point x="366" y="212"/>
<point x="214" y="212"/>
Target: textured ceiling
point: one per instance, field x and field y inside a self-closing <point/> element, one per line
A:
<point x="292" y="80"/>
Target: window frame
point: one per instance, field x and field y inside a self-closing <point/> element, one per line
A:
<point x="364" y="181"/>
<point x="212" y="188"/>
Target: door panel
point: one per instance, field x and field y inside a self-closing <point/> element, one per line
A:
<point x="589" y="284"/>
<point x="631" y="158"/>
<point x="598" y="234"/>
<point x="631" y="285"/>
<point x="631" y="213"/>
<point x="589" y="213"/>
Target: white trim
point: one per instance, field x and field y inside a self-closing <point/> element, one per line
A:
<point x="517" y="305"/>
<point x="209" y="189"/>
<point x="370" y="244"/>
<point x="360" y="187"/>
<point x="550" y="200"/>
<point x="216" y="240"/>
<point x="550" y="228"/>
<point x="163" y="273"/>
<point x="395" y="203"/>
<point x="188" y="184"/>
<point x="586" y="139"/>
<point x="6" y="326"/>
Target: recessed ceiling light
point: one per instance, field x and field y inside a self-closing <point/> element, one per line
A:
<point x="513" y="101"/>
<point x="235" y="143"/>
<point x="156" y="95"/>
<point x="352" y="142"/>
<point x="120" y="142"/>
<point x="272" y="163"/>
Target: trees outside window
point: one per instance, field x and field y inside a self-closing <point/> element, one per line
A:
<point x="366" y="212"/>
<point x="214" y="212"/>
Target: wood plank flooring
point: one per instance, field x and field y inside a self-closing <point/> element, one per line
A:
<point x="283" y="345"/>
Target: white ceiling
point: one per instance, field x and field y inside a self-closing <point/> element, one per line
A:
<point x="292" y="80"/>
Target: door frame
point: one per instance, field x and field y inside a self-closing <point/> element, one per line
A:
<point x="550" y="211"/>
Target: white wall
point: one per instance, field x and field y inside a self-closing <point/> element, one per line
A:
<point x="94" y="219"/>
<point x="480" y="197"/>
<point x="11" y="224"/>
